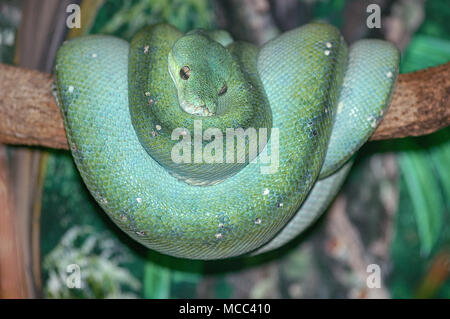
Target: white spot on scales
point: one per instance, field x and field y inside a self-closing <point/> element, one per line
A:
<point x="340" y="107"/>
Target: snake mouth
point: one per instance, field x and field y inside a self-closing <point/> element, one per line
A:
<point x="193" y="109"/>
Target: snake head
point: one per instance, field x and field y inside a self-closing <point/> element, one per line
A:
<point x="200" y="67"/>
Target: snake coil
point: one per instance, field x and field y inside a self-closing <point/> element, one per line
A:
<point x="131" y="110"/>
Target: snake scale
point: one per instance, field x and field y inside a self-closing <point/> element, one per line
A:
<point x="311" y="101"/>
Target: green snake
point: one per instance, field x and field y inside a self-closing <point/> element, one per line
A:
<point x="147" y="123"/>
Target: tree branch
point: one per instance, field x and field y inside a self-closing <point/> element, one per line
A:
<point x="420" y="104"/>
<point x="29" y="114"/>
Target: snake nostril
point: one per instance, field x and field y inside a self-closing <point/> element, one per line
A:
<point x="223" y="90"/>
<point x="185" y="72"/>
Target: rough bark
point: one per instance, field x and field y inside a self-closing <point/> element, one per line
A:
<point x="420" y="104"/>
<point x="28" y="112"/>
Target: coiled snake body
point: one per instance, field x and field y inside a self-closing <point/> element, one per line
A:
<point x="122" y="103"/>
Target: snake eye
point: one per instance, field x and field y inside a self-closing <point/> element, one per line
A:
<point x="185" y="72"/>
<point x="223" y="90"/>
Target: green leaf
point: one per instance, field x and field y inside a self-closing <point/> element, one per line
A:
<point x="440" y="157"/>
<point x="156" y="281"/>
<point x="424" y="52"/>
<point x="425" y="195"/>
